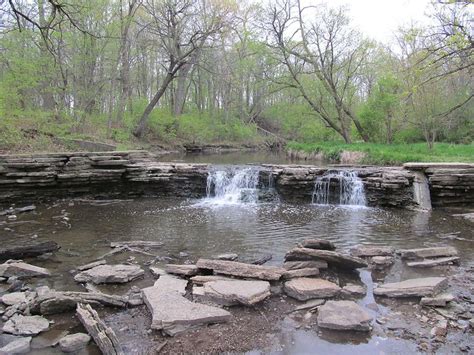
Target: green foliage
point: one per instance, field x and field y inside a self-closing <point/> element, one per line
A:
<point x="384" y="154"/>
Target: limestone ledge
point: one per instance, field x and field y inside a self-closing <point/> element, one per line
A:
<point x="136" y="173"/>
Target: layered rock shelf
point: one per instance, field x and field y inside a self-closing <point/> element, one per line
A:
<point x="136" y="173"/>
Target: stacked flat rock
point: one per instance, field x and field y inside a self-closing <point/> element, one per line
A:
<point x="21" y="270"/>
<point x="233" y="268"/>
<point x="331" y="257"/>
<point x="430" y="257"/>
<point x="317" y="244"/>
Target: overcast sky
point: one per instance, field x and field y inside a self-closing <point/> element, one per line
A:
<point x="379" y="19"/>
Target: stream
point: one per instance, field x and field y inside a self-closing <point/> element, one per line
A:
<point x="231" y="219"/>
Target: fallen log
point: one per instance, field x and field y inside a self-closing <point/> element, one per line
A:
<point x="28" y="250"/>
<point x="104" y="337"/>
<point x="55" y="302"/>
<point x="137" y="243"/>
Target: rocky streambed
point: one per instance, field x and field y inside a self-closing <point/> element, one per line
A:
<point x="72" y="282"/>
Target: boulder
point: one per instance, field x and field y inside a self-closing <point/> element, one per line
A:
<point x="172" y="313"/>
<point x="26" y="325"/>
<point x="304" y="288"/>
<point x="241" y="269"/>
<point x="227" y="256"/>
<point x="74" y="342"/>
<point x="21" y="270"/>
<point x="423" y="253"/>
<point x="315" y="264"/>
<point x="110" y="274"/>
<point x="230" y="293"/>
<point x="381" y="262"/>
<point x="17" y="346"/>
<point x="372" y="250"/>
<point x="185" y="270"/>
<point x="331" y="257"/>
<point x="440" y="300"/>
<point x="318" y="244"/>
<point x="412" y="288"/>
<point x="291" y="274"/>
<point x="434" y="262"/>
<point x="343" y="315"/>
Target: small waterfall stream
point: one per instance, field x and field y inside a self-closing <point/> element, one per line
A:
<point x="233" y="185"/>
<point x="339" y="187"/>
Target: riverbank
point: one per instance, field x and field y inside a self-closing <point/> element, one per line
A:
<point x="381" y="154"/>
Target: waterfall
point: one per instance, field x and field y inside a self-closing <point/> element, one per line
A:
<point x="233" y="185"/>
<point x="339" y="187"/>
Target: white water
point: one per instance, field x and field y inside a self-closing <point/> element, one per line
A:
<point x="235" y="185"/>
<point x="350" y="192"/>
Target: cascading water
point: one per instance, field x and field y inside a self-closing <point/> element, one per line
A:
<point x="339" y="187"/>
<point x="233" y="185"/>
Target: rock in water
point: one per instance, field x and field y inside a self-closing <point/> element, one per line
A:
<point x="412" y="288"/>
<point x="17" y="346"/>
<point x="331" y="257"/>
<point x="74" y="342"/>
<point x="229" y="293"/>
<point x="434" y="262"/>
<point x="306" y="288"/>
<point x="28" y="250"/>
<point x="372" y="250"/>
<point x="172" y="313"/>
<point x="168" y="283"/>
<point x="291" y="274"/>
<point x="26" y="325"/>
<point x="241" y="269"/>
<point x="295" y="265"/>
<point x="185" y="270"/>
<point x="227" y="256"/>
<point x="353" y="290"/>
<point x="110" y="274"/>
<point x="318" y="244"/>
<point x="21" y="270"/>
<point x="422" y="253"/>
<point x="343" y="315"/>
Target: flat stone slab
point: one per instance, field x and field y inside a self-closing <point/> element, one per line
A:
<point x="440" y="300"/>
<point x="22" y="270"/>
<point x="26" y="325"/>
<point x="304" y="288"/>
<point x="313" y="264"/>
<point x="291" y="274"/>
<point x="412" y="288"/>
<point x="343" y="315"/>
<point x="168" y="283"/>
<point x="173" y="314"/>
<point x="110" y="274"/>
<point x="422" y="253"/>
<point x="202" y="279"/>
<point x="372" y="250"/>
<point x="331" y="257"/>
<point x="318" y="244"/>
<point x="241" y="269"/>
<point x="230" y="293"/>
<point x="13" y="298"/>
<point x="434" y="262"/>
<point x="354" y="290"/>
<point x="185" y="270"/>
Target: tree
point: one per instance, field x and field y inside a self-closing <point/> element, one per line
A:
<point x="180" y="28"/>
<point x="326" y="50"/>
